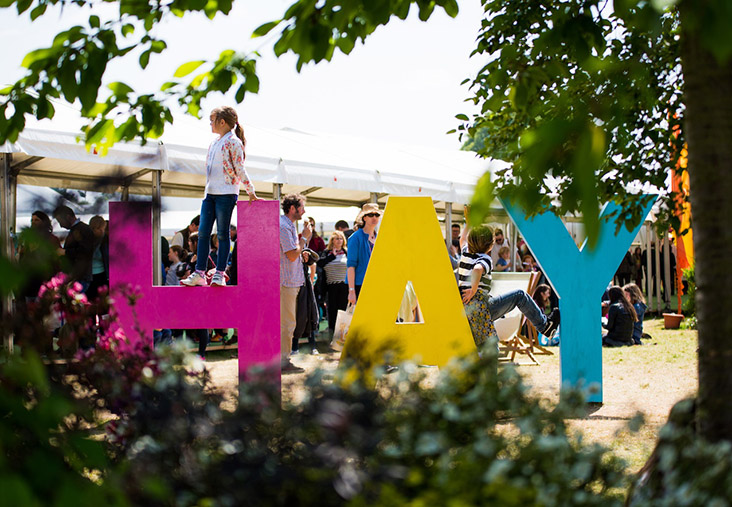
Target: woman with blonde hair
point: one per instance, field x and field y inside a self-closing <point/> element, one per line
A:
<point x="333" y="262"/>
<point x="224" y="174"/>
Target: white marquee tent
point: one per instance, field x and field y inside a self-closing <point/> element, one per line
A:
<point x="329" y="169"/>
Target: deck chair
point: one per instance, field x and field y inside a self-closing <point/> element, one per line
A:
<point x="511" y="341"/>
<point x="532" y="335"/>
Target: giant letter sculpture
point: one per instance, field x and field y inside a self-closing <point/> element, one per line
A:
<point x="579" y="276"/>
<point x="410" y="247"/>
<point x="252" y="306"/>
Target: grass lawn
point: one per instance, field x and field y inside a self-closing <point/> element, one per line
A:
<point x="647" y="380"/>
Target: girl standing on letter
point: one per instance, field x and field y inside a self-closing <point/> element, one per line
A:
<point x="224" y="174"/>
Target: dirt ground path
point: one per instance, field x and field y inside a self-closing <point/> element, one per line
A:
<point x="648" y="379"/>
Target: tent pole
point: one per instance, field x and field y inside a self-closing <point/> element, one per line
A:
<point x="448" y="224"/>
<point x="374" y="197"/>
<point x="6" y="240"/>
<point x="277" y="191"/>
<point x="13" y="180"/>
<point x="157" y="177"/>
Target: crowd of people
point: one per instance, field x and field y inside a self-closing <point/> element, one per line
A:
<point x="317" y="280"/>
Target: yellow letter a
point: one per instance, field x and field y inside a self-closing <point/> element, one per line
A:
<point x="409" y="247"/>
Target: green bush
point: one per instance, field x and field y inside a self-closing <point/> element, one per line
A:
<point x="473" y="436"/>
<point x="685" y="469"/>
<point x="46" y="454"/>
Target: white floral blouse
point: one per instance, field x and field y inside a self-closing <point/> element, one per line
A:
<point x="225" y="166"/>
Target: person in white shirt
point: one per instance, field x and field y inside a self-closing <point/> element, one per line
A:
<point x="224" y="174"/>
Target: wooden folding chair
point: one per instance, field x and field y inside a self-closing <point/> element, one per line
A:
<point x="511" y="340"/>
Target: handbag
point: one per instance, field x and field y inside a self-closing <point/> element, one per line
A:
<point x="343" y="322"/>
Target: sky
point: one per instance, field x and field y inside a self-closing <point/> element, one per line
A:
<point x="402" y="85"/>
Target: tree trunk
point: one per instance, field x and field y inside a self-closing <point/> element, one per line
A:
<point x="708" y="98"/>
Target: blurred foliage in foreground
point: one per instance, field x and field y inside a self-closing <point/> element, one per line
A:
<point x="121" y="423"/>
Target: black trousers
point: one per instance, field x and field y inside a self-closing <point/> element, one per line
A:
<point x="337" y="300"/>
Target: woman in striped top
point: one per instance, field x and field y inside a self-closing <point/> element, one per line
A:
<point x="333" y="263"/>
<point x="474" y="270"/>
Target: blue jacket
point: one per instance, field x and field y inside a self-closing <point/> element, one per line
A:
<point x="359" y="254"/>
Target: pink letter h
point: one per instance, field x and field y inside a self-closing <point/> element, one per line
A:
<point x="252" y="306"/>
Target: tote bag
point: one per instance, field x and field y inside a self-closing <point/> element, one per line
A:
<point x="343" y="322"/>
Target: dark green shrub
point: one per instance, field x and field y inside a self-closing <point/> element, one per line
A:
<point x="685" y="469"/>
<point x="46" y="454"/>
<point x="474" y="437"/>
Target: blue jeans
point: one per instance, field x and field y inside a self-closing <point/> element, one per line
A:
<point x="501" y="305"/>
<point x="218" y="208"/>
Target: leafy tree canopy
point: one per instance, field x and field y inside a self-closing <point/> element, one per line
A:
<point x="583" y="98"/>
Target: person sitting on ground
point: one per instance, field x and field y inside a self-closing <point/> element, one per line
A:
<point x="635" y="296"/>
<point x="620" y="319"/>
<point x="503" y="259"/>
<point x="475" y="284"/>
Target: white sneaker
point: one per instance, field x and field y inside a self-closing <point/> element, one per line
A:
<point x="218" y="280"/>
<point x="194" y="280"/>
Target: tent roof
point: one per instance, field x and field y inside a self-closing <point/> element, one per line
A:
<point x="329" y="169"/>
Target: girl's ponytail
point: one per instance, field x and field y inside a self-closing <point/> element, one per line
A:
<point x="240" y="134"/>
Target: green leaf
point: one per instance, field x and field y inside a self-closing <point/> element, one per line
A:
<point x="158" y="46"/>
<point x="240" y="93"/>
<point x="252" y="84"/>
<point x="462" y="117"/>
<point x="23" y="5"/>
<point x="145" y="58"/>
<point x="187" y="68"/>
<point x="38" y="11"/>
<point x="451" y="8"/>
<point x="265" y="28"/>
<point x="94" y="21"/>
<point x="36" y="56"/>
<point x="67" y="81"/>
<point x="127" y="29"/>
<point x="120" y="89"/>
